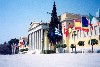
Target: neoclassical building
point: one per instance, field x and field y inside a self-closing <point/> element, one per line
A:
<point x="38" y="36"/>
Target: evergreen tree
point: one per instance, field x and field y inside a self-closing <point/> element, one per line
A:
<point x="54" y="23"/>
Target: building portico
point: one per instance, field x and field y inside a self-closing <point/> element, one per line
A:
<point x="36" y="36"/>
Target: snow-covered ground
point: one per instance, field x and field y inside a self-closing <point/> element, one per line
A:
<point x="50" y="60"/>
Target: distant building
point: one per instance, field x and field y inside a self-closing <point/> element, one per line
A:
<point x="23" y="42"/>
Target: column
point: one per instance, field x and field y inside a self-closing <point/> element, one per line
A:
<point x="29" y="41"/>
<point x="98" y="30"/>
<point x="70" y="35"/>
<point x="33" y="40"/>
<point x="46" y="46"/>
<point x="39" y="40"/>
<point x="94" y="30"/>
<point x="36" y="40"/>
<point x="89" y="33"/>
<point x="82" y="34"/>
<point x="79" y="33"/>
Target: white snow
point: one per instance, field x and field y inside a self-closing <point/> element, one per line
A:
<point x="51" y="60"/>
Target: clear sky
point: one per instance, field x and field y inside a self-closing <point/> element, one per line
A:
<point x="16" y="15"/>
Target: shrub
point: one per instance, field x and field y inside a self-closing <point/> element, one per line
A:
<point x="72" y="46"/>
<point x="4" y="49"/>
<point x="21" y="50"/>
<point x="63" y="46"/>
<point x="57" y="46"/>
<point x="93" y="41"/>
<point x="49" y="51"/>
<point x="81" y="43"/>
<point x="98" y="51"/>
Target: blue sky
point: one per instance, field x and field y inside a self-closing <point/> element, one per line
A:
<point x="16" y="15"/>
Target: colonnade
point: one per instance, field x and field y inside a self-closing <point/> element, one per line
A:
<point x="36" y="40"/>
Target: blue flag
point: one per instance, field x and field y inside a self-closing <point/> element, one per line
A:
<point x="58" y="32"/>
<point x="84" y="22"/>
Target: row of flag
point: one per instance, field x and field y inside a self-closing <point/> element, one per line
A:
<point x="82" y="25"/>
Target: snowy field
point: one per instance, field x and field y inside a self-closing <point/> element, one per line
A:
<point x="50" y="60"/>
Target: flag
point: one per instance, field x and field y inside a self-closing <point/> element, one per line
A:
<point x="58" y="32"/>
<point x="21" y="43"/>
<point x="93" y="20"/>
<point x="90" y="25"/>
<point x="66" y="32"/>
<point x="85" y="29"/>
<point x="90" y="17"/>
<point x="77" y="24"/>
<point x="84" y="22"/>
<point x="70" y="28"/>
<point x="70" y="25"/>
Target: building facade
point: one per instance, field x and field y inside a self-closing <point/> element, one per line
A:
<point x="80" y="34"/>
<point x="38" y="36"/>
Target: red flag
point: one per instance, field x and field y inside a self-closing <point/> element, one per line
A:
<point x="85" y="29"/>
<point x="21" y="43"/>
<point x="70" y="25"/>
<point x="90" y="25"/>
<point x="66" y="32"/>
